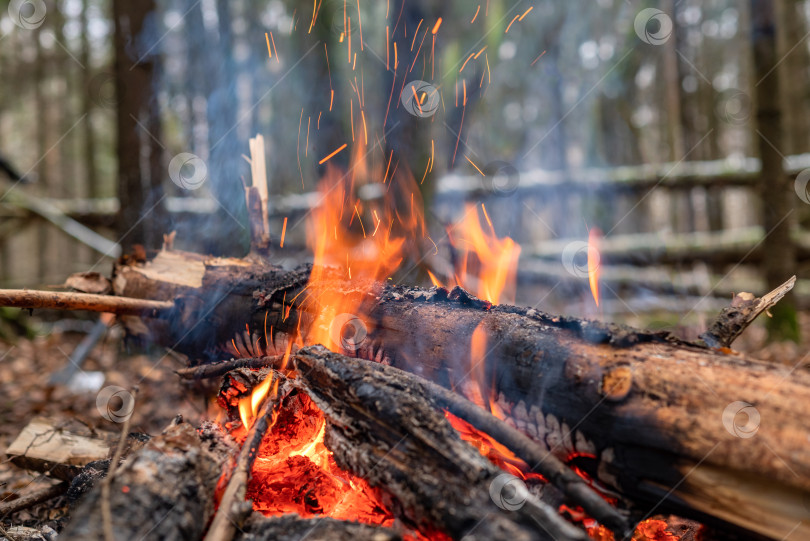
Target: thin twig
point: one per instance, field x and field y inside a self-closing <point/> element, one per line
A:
<point x="29" y="500"/>
<point x="221" y="368"/>
<point x="64" y="300"/>
<point x="106" y="484"/>
<point x="229" y="514"/>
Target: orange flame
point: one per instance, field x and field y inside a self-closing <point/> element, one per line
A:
<point x="594" y="236"/>
<point x="486" y="264"/>
<point x="364" y="239"/>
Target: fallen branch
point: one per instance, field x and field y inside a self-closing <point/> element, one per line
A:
<point x="29" y="500"/>
<point x="61" y="300"/>
<point x="106" y="514"/>
<point x="233" y="509"/>
<point x="744" y="309"/>
<point x="215" y="370"/>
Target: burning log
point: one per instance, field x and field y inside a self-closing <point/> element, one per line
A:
<point x="649" y="407"/>
<point x="657" y="413"/>
<point x="167" y="486"/>
<point x="386" y="431"/>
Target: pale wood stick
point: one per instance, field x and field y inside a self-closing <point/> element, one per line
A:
<point x="62" y="300"/>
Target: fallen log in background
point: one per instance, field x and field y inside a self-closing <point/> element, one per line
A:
<point x="652" y="409"/>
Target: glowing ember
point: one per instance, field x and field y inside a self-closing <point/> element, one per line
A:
<point x="294" y="472"/>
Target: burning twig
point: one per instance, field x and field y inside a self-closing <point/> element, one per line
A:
<point x="60" y="300"/>
<point x="221" y="368"/>
<point x="539" y="460"/>
<point x="232" y="508"/>
<point x="744" y="309"/>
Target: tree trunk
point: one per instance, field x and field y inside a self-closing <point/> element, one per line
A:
<point x="134" y="81"/>
<point x="776" y="188"/>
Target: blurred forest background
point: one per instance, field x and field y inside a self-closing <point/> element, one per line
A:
<point x="680" y="129"/>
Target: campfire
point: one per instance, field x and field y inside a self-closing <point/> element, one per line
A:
<point x="351" y="404"/>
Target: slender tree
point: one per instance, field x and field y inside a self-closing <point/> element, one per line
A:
<point x="776" y="189"/>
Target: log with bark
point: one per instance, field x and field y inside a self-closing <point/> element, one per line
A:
<point x="166" y="490"/>
<point x="385" y="430"/>
<point x="656" y="412"/>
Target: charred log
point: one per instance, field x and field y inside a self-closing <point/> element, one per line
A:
<point x="658" y="414"/>
<point x="294" y="528"/>
<point x="388" y="433"/>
